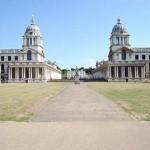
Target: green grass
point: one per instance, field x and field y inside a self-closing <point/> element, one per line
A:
<point x="133" y="97"/>
<point x="16" y="100"/>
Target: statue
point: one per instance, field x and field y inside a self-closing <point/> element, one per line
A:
<point x="76" y="77"/>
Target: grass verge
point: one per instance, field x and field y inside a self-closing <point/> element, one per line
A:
<point x="17" y="99"/>
<point x="133" y="97"/>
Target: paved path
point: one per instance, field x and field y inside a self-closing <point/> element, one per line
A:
<point x="78" y="103"/>
<point x="81" y="112"/>
<point x="75" y="136"/>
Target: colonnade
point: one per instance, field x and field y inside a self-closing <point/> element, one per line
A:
<point x="26" y="73"/>
<point x="129" y="72"/>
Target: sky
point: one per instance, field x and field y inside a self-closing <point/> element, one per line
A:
<point x="75" y="32"/>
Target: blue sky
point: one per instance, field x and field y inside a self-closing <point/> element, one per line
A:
<point x="76" y="32"/>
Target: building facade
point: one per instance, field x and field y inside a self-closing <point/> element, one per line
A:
<point x="125" y="62"/>
<point x="71" y="74"/>
<point x="27" y="64"/>
<point x="82" y="74"/>
<point x="101" y="70"/>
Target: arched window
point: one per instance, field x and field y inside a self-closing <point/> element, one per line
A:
<point x="29" y="55"/>
<point x="118" y="40"/>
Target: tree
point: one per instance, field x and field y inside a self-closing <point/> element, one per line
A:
<point x="64" y="71"/>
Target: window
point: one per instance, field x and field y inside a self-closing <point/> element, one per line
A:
<point x="117" y="40"/>
<point x="34" y="41"/>
<point x="16" y="58"/>
<point x="2" y="58"/>
<point x="123" y="55"/>
<point x="30" y="41"/>
<point x="27" y="41"/>
<point x="9" y="58"/>
<point x="121" y="40"/>
<point x="29" y="55"/>
<point x="136" y="57"/>
<point x="130" y="55"/>
<point x="143" y="57"/>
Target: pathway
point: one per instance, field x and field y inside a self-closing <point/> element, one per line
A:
<point x="78" y="103"/>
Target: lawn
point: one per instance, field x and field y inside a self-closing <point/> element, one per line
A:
<point x="133" y="97"/>
<point x="16" y="100"/>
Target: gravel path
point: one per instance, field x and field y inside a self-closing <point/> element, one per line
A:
<point x="78" y="103"/>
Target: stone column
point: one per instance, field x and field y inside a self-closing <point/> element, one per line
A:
<point x="110" y="72"/>
<point x="119" y="40"/>
<point x="37" y="72"/>
<point x="146" y="67"/>
<point x="137" y="72"/>
<point x="15" y="72"/>
<point x="42" y="73"/>
<point x="24" y="72"/>
<point x="129" y="72"/>
<point x="117" y="70"/>
<point x="123" y="71"/>
<point x="142" y="72"/>
<point x="10" y="73"/>
<point x="31" y="72"/>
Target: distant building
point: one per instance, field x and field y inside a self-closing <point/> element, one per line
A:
<point x="81" y="72"/>
<point x="27" y="64"/>
<point x="101" y="70"/>
<point x="125" y="63"/>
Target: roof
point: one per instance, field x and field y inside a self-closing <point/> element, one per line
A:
<point x="119" y="28"/>
<point x="141" y="49"/>
<point x="9" y="50"/>
<point x="33" y="29"/>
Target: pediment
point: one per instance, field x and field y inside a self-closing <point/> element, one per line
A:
<point x="124" y="49"/>
<point x="31" y="49"/>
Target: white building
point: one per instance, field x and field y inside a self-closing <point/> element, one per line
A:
<point x="82" y="74"/>
<point x="101" y="70"/>
<point x="27" y="64"/>
<point x="125" y="62"/>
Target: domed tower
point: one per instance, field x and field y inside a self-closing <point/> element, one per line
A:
<point x="32" y="38"/>
<point x="119" y="36"/>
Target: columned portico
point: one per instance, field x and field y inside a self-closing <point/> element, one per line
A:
<point x="24" y="73"/>
<point x="126" y="73"/>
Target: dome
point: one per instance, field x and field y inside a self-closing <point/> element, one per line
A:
<point x="33" y="29"/>
<point x="119" y="28"/>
